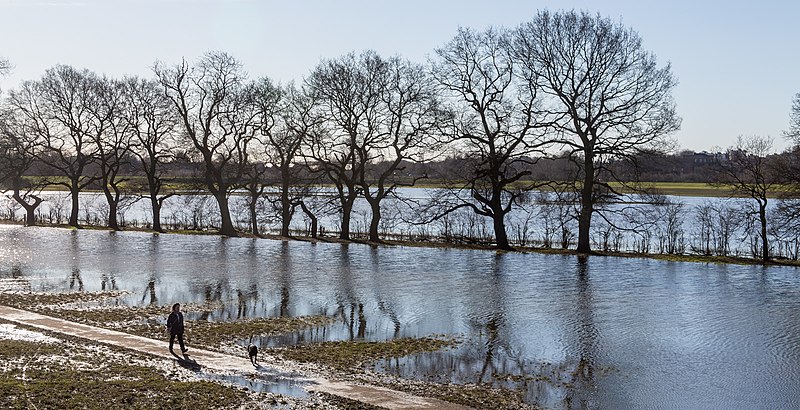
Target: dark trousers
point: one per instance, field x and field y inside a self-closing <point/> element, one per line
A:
<point x="180" y="340"/>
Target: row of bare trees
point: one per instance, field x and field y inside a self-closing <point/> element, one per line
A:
<point x="498" y="101"/>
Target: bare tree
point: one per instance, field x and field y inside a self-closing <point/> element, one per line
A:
<point x="750" y="172"/>
<point x="348" y="95"/>
<point x="16" y="158"/>
<point x="411" y="115"/>
<point x="266" y="97"/>
<point x="788" y="165"/>
<point x="495" y="125"/>
<point x="296" y="124"/>
<point x="113" y="143"/>
<point x="57" y="111"/>
<point x="605" y="95"/>
<point x="151" y="122"/>
<point x="217" y="117"/>
<point x="715" y="224"/>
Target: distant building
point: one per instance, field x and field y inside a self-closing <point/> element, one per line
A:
<point x="692" y="162"/>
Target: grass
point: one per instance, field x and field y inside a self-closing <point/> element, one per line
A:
<point x="696" y="189"/>
<point x="56" y="375"/>
<point x="353" y="355"/>
<point x="699" y="189"/>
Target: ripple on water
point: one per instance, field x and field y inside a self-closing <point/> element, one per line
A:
<point x="606" y="332"/>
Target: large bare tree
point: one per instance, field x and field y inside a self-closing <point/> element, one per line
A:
<point x="58" y="111"/>
<point x="605" y="95"/>
<point x="495" y="128"/>
<point x="217" y="117"/>
<point x="152" y="122"/>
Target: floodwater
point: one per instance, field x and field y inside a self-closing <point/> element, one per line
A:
<point x="596" y="333"/>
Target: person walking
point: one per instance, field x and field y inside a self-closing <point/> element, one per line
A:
<point x="175" y="327"/>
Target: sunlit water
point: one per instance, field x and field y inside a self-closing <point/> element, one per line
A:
<point x="601" y="333"/>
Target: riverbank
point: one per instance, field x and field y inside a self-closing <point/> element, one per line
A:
<point x="475" y="245"/>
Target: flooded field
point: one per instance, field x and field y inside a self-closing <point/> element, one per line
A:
<point x="600" y="333"/>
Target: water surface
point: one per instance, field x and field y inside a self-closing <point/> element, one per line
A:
<point x="599" y="333"/>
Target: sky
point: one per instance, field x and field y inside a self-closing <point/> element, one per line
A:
<point x="737" y="63"/>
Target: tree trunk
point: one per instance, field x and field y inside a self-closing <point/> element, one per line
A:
<point x="501" y="237"/>
<point x="375" y="206"/>
<point x="30" y="209"/>
<point x="156" y="213"/>
<point x="312" y="217"/>
<point x="587" y="206"/>
<point x="153" y="187"/>
<point x="30" y="212"/>
<point x="347" y="209"/>
<point x="226" y="227"/>
<point x="762" y="215"/>
<point x="286" y="207"/>
<point x="73" y="214"/>
<point x="112" y="216"/>
<point x="112" y="209"/>
<point x="253" y="216"/>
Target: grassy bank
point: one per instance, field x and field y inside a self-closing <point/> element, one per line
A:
<point x="699" y="189"/>
<point x="433" y="243"/>
<point x="49" y="371"/>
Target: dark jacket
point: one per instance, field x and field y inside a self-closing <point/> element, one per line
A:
<point x="175" y="323"/>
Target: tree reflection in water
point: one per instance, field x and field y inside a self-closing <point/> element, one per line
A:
<point x="75" y="273"/>
<point x="212" y="297"/>
<point x="582" y="381"/>
<point x="108" y="282"/>
<point x="250" y="294"/>
<point x="284" y="278"/>
<point x="382" y="292"/>
<point x="153" y="270"/>
<point x="491" y="359"/>
<point x="150" y="290"/>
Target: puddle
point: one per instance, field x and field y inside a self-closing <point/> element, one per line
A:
<point x="265" y="381"/>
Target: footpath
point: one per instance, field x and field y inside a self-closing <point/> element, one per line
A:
<point x="374" y="395"/>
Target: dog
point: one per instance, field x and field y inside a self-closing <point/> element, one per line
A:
<point x="252" y="351"/>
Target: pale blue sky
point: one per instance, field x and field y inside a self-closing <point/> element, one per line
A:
<point x="738" y="63"/>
